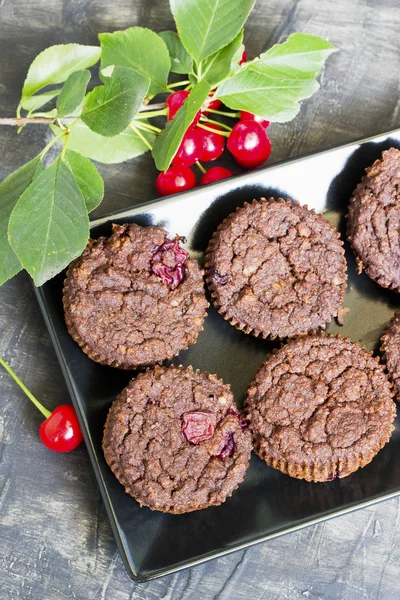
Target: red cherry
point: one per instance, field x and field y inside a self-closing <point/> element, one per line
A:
<point x="249" y="144"/>
<point x="246" y="116"/>
<point x="174" y="180"/>
<point x="211" y="104"/>
<point x="190" y="149"/>
<point x="213" y="144"/>
<point x="215" y="174"/>
<point x="244" y="58"/>
<point x="61" y="431"/>
<point x="174" y="102"/>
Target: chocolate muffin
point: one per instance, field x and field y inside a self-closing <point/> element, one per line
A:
<point x="176" y="441"/>
<point x="134" y="299"/>
<point x="276" y="269"/>
<point x="320" y="408"/>
<point x="374" y="221"/>
<point x="391" y="351"/>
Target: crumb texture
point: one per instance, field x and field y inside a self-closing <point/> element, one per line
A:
<point x="147" y="440"/>
<point x="374" y="221"/>
<point x="391" y="351"/>
<point x="320" y="407"/>
<point x="276" y="269"/>
<point x="123" y="314"/>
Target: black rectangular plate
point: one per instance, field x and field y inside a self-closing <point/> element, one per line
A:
<point x="267" y="503"/>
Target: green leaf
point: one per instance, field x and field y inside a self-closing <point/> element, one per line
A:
<point x="205" y="26"/>
<point x="50" y="114"/>
<point x="302" y="56"/>
<point x="140" y="49"/>
<point x="180" y="59"/>
<point x="273" y="85"/>
<point x="72" y="93"/>
<point x="167" y="143"/>
<point x="273" y="99"/>
<point x="109" y="109"/>
<point x="107" y="72"/>
<point x="55" y="65"/>
<point x="49" y="225"/>
<point x="10" y="191"/>
<point x="87" y="178"/>
<point x="32" y="103"/>
<point x="224" y="62"/>
<point x="108" y="150"/>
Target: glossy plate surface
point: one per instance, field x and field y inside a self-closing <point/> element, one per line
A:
<point x="267" y="503"/>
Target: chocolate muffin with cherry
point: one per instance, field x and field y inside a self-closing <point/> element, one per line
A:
<point x="275" y="268"/>
<point x="176" y="441"/>
<point x="134" y="299"/>
<point x="320" y="408"/>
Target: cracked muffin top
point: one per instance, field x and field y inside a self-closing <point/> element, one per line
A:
<point x="374" y="221"/>
<point x="176" y="441"/>
<point x="390" y="349"/>
<point x="276" y="269"/>
<point x="320" y="407"/>
<point x="134" y="299"/>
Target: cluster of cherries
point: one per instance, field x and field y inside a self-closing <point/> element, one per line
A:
<point x="204" y="141"/>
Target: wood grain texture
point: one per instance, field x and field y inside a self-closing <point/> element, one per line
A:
<point x="55" y="539"/>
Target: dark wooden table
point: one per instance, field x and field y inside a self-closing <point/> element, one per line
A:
<point x="55" y="539"/>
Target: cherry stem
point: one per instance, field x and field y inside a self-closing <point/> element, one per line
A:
<point x="138" y="133"/>
<point x="46" y="413"/>
<point x="152" y="113"/>
<point x="217" y="123"/>
<point x="234" y="115"/>
<point x="178" y="83"/>
<point x="202" y="169"/>
<point x="219" y="132"/>
<point x="66" y="140"/>
<point x="52" y="142"/>
<point x="155" y="106"/>
<point x="146" y="126"/>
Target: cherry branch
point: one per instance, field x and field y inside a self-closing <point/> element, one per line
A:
<point x="20" y="121"/>
<point x="156" y="106"/>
